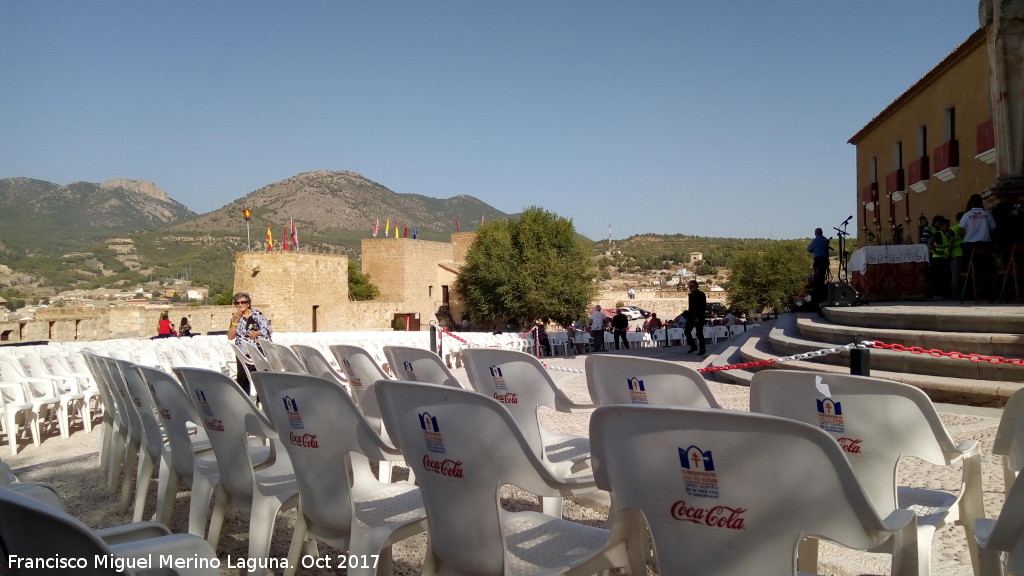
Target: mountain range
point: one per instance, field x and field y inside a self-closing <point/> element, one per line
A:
<point x="121" y="232"/>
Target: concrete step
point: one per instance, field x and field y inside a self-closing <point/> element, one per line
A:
<point x="788" y="338"/>
<point x="781" y="339"/>
<point x="933" y="316"/>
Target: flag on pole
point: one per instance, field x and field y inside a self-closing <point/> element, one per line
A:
<point x="405" y="233"/>
<point x="376" y="226"/>
<point x="270" y="239"/>
<point x="387" y="227"/>
<point x="396" y="229"/>
<point x="295" y="237"/>
<point x="456" y="223"/>
<point x="284" y="241"/>
<point x="481" y="219"/>
<point x="414" y="228"/>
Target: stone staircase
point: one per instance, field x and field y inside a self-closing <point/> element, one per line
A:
<point x="989" y="331"/>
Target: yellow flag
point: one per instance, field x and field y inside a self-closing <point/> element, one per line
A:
<point x="387" y="227"/>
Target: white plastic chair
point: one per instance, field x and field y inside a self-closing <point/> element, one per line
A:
<point x="328" y="441"/>
<point x="1009" y="441"/>
<point x="41" y="392"/>
<point x="17" y="412"/>
<point x="464" y="447"/>
<point x="115" y="421"/>
<point x="257" y="357"/>
<point x="877" y="423"/>
<point x="152" y="446"/>
<point x="282" y="358"/>
<point x="727" y="492"/>
<point x="420" y="365"/>
<point x="519" y="382"/>
<point x="318" y="365"/>
<point x="230" y="416"/>
<point x="91" y="399"/>
<point x="1001" y="540"/>
<point x="638" y="380"/>
<point x="361" y="371"/>
<point x="32" y="529"/>
<point x="72" y="399"/>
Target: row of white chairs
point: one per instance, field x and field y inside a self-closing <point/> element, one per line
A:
<point x="925" y="437"/>
<point x="636" y="393"/>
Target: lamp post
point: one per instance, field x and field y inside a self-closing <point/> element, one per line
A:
<point x="247" y="214"/>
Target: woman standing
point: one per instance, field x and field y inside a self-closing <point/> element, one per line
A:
<point x="247" y="325"/>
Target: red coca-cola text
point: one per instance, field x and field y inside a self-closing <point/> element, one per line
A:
<point x="444" y="467"/>
<point x="716" y="516"/>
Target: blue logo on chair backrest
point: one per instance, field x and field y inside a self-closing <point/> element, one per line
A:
<point x="294" y="417"/>
<point x="699" y="476"/>
<point x="499" y="379"/>
<point x="830" y="415"/>
<point x="431" y="433"/>
<point x="207" y="411"/>
<point x="637" y="392"/>
<point x="409" y="372"/>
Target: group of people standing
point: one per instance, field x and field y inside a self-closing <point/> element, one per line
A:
<point x="952" y="243"/>
<point x="692" y="319"/>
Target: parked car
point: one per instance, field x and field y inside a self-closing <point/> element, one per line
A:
<point x="643" y="312"/>
<point x="715" y="309"/>
<point x="631" y="312"/>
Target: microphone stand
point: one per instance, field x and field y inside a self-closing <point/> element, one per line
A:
<point x="843" y="256"/>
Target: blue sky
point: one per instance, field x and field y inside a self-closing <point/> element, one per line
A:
<point x="669" y="117"/>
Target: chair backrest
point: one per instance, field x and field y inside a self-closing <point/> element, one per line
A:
<point x="32" y="529"/>
<point x="1007" y="533"/>
<point x="1009" y="441"/>
<point x="463" y="447"/>
<point x="127" y="412"/>
<point x="362" y="371"/>
<point x="282" y="358"/>
<point x="517" y="380"/>
<point x="142" y="399"/>
<point x="318" y="365"/>
<point x="638" y="380"/>
<point x="256" y="356"/>
<point x="228" y="416"/>
<point x="319" y="426"/>
<point x="876" y="422"/>
<point x="728" y="492"/>
<point x="419" y="365"/>
<point x="176" y="410"/>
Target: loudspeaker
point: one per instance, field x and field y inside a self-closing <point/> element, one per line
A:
<point x="841" y="294"/>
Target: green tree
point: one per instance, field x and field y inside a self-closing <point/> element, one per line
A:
<point x="768" y="277"/>
<point x="359" y="285"/>
<point x="525" y="270"/>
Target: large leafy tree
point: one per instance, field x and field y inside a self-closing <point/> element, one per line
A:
<point x="525" y="270"/>
<point x="769" y="277"/>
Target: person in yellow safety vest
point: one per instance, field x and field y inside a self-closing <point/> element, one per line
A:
<point x="956" y="255"/>
<point x="939" y="248"/>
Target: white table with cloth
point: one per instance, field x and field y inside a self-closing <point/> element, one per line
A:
<point x="888" y="273"/>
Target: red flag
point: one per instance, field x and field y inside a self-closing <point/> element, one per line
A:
<point x="376" y="226"/>
<point x="456" y="223"/>
<point x="284" y="243"/>
<point x="295" y="237"/>
<point x="481" y="219"/>
<point x="270" y="239"/>
<point x="405" y="233"/>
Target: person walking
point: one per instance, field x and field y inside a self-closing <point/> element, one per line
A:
<point x="696" y="310"/>
<point x="620" y="325"/>
<point x="597" y="329"/>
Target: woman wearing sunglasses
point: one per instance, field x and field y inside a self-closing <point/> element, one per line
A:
<point x="247" y="325"/>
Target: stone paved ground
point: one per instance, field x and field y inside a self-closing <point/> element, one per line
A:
<point x="72" y="465"/>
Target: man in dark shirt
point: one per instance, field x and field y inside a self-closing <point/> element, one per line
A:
<point x="696" y="310"/>
<point x="620" y="325"/>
